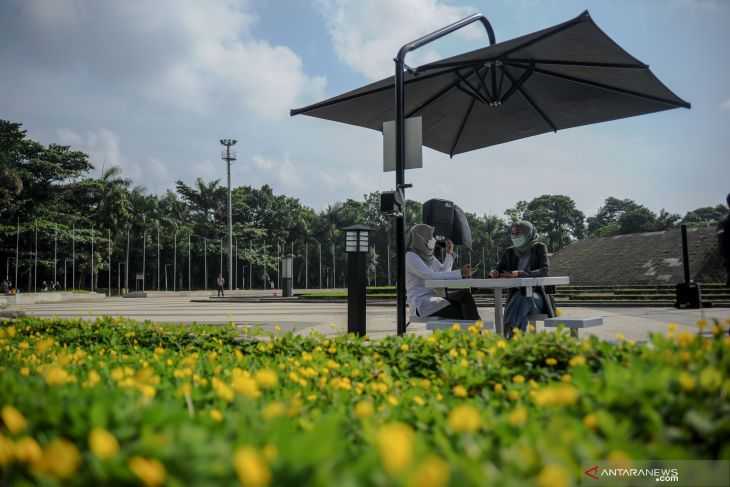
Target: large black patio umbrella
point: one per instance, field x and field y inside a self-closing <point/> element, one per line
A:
<point x="564" y="76"/>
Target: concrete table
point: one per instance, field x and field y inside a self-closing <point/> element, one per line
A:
<point x="498" y="284"/>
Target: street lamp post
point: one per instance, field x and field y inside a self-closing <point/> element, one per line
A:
<point x="229" y="156"/>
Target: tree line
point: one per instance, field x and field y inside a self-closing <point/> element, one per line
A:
<point x="51" y="198"/>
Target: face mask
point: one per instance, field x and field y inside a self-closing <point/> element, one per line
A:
<point x="431" y="244"/>
<point x="519" y="241"/>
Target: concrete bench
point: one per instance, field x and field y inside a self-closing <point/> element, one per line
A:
<point x="575" y="324"/>
<point x="533" y="319"/>
<point x="435" y="323"/>
<point x="444" y="324"/>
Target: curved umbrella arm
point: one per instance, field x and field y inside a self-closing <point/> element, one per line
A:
<point x="437" y="34"/>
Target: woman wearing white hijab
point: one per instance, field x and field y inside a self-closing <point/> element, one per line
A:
<point x="422" y="265"/>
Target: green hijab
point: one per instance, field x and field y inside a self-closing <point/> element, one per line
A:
<point x="530" y="234"/>
<point x="418" y="238"/>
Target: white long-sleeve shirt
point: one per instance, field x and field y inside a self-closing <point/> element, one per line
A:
<point x="422" y="300"/>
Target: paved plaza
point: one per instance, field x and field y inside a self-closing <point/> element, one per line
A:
<point x="331" y="318"/>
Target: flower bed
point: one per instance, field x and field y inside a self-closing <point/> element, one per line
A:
<point x="114" y="402"/>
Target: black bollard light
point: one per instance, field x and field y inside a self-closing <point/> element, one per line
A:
<point x="356" y="247"/>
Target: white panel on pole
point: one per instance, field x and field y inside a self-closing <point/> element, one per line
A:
<point x="414" y="144"/>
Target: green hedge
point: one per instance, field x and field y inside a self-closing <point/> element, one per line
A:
<point x="118" y="403"/>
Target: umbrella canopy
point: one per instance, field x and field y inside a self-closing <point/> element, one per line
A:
<point x="565" y="76"/>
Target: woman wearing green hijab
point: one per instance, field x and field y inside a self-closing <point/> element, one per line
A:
<point x="422" y="265"/>
<point x="526" y="258"/>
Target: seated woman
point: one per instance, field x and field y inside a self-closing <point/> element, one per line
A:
<point x="526" y="258"/>
<point x="422" y="265"/>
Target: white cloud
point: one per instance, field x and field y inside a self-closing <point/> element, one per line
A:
<point x="101" y="145"/>
<point x="201" y="56"/>
<point x="725" y="105"/>
<point x="283" y="171"/>
<point x="367" y="34"/>
<point x="103" y="148"/>
<point x="263" y="163"/>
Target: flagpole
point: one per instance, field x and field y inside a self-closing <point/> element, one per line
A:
<point x="35" y="258"/>
<point x="109" y="262"/>
<point x="92" y="259"/>
<point x="17" y="253"/>
<point x="73" y="257"/>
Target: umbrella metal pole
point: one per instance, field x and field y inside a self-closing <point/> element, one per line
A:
<point x="400" y="151"/>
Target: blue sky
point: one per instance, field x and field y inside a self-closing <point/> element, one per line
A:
<point x="153" y="86"/>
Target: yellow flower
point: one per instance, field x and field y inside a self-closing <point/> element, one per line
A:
<point x="502" y="344"/>
<point x="103" y="444"/>
<point x="246" y="386"/>
<point x="577" y="360"/>
<point x="216" y="415"/>
<point x="395" y="446"/>
<point x="92" y="379"/>
<point x="459" y="391"/>
<point x="148" y="391"/>
<point x="251" y="468"/>
<point x="273" y="410"/>
<point x="685" y="338"/>
<point x="513" y="395"/>
<point x="710" y="379"/>
<point x="25" y="371"/>
<point x="27" y="450"/>
<point x="464" y="419"/>
<point x="701" y="324"/>
<point x="551" y="361"/>
<point x="419" y="400"/>
<point x="222" y="390"/>
<point x="553" y="476"/>
<point x="185" y="389"/>
<point x="7" y="449"/>
<point x="266" y="378"/>
<point x="566" y="378"/>
<point x="43" y="345"/>
<point x="686" y="381"/>
<point x="498" y="388"/>
<point x="518" y="379"/>
<point x="150" y="471"/>
<point x="590" y="421"/>
<point x="518" y="417"/>
<point x="56" y="376"/>
<point x="432" y="472"/>
<point x="13" y="419"/>
<point x="392" y="400"/>
<point x="404" y="347"/>
<point x="556" y="395"/>
<point x="60" y="459"/>
<point x="364" y="409"/>
<point x="558" y="312"/>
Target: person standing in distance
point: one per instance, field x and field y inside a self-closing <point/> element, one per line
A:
<point x="220" y="282"/>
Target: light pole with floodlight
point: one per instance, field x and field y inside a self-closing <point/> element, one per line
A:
<point x="228" y="155"/>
